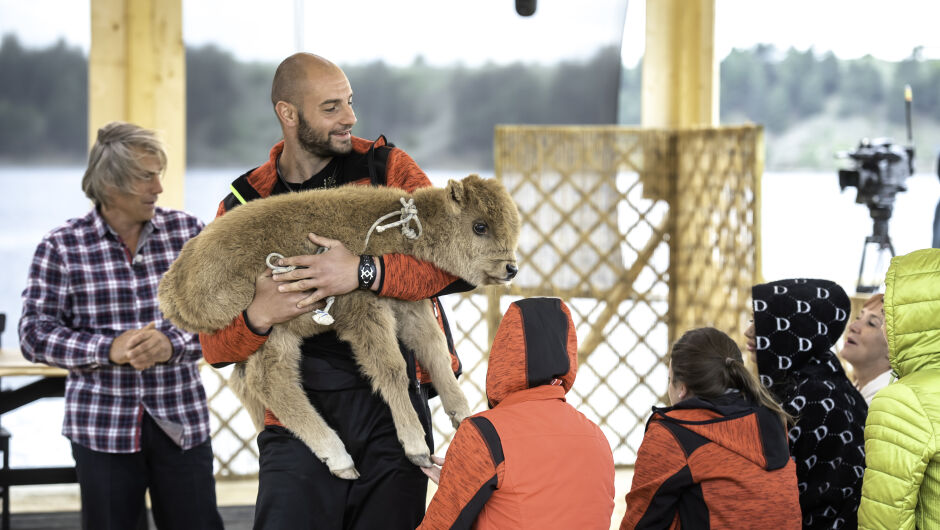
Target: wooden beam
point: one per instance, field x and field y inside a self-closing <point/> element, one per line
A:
<point x="680" y="74"/>
<point x="136" y="73"/>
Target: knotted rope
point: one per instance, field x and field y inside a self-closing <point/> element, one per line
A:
<point x="408" y="213"/>
<point x="320" y="316"/>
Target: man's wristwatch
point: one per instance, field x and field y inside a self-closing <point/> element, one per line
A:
<point x="367" y="271"/>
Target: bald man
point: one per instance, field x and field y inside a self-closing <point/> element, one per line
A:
<point x="312" y="100"/>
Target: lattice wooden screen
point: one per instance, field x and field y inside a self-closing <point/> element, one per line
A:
<point x="233" y="433"/>
<point x="717" y="221"/>
<point x="643" y="233"/>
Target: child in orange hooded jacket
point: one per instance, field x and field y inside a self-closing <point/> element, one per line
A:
<point x="532" y="460"/>
<point x="718" y="457"/>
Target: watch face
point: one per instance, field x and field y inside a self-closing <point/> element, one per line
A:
<point x="366" y="272"/>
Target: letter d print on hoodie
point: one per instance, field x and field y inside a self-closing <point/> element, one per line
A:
<point x="796" y="324"/>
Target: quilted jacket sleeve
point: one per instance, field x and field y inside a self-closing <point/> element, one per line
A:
<point x="899" y="440"/>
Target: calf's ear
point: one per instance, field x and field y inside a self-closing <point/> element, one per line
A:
<point x="455" y="195"/>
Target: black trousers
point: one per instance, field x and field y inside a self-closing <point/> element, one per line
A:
<point x="182" y="488"/>
<point x="297" y="491"/>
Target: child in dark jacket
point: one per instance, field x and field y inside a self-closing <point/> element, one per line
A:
<point x="796" y="323"/>
<point x="717" y="458"/>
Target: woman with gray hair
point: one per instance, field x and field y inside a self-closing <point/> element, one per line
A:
<point x="117" y="160"/>
<point x="135" y="407"/>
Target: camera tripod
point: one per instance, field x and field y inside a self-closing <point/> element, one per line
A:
<point x="871" y="271"/>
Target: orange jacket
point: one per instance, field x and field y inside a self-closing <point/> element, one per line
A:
<point x="720" y="463"/>
<point x="533" y="460"/>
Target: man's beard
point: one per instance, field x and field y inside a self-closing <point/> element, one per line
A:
<point x="316" y="146"/>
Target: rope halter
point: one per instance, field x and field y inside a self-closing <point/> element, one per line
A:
<point x="320" y="316"/>
<point x="408" y="213"/>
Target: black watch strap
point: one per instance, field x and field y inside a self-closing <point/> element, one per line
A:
<point x="367" y="271"/>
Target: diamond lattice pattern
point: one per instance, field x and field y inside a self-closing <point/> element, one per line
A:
<point x="643" y="233"/>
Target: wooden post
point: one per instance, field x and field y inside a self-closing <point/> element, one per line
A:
<point x="136" y="73"/>
<point x="680" y="79"/>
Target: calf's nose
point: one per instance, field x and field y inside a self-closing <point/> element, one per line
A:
<point x="511" y="271"/>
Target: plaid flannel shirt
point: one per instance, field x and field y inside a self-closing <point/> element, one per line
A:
<point x="82" y="292"/>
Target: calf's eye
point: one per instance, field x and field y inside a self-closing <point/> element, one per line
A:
<point x="480" y="228"/>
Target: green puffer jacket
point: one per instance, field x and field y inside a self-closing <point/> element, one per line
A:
<point x="902" y="435"/>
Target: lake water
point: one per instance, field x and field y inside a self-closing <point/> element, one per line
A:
<point x="809" y="229"/>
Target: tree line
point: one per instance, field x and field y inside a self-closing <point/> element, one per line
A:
<point x="778" y="90"/>
<point x="444" y="116"/>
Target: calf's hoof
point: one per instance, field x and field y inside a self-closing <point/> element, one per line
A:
<point x="421" y="460"/>
<point x="457" y="416"/>
<point x="342" y="466"/>
<point x="347" y="473"/>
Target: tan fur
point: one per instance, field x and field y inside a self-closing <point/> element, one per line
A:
<point x="213" y="280"/>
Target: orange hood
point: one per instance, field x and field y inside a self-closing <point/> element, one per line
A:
<point x="731" y="421"/>
<point x="535" y="345"/>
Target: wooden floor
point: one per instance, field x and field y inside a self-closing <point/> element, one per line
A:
<point x="56" y="507"/>
<point x="233" y="517"/>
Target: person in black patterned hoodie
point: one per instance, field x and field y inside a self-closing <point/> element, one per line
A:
<point x="796" y="323"/>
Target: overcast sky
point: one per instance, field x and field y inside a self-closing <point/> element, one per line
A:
<point x="476" y="31"/>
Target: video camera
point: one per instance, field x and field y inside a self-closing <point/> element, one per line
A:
<point x="880" y="169"/>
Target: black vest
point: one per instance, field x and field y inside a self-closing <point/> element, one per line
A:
<point x="354" y="166"/>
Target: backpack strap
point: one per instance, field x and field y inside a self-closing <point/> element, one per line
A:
<point x="372" y="164"/>
<point x="241" y="192"/>
<point x="376" y="158"/>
